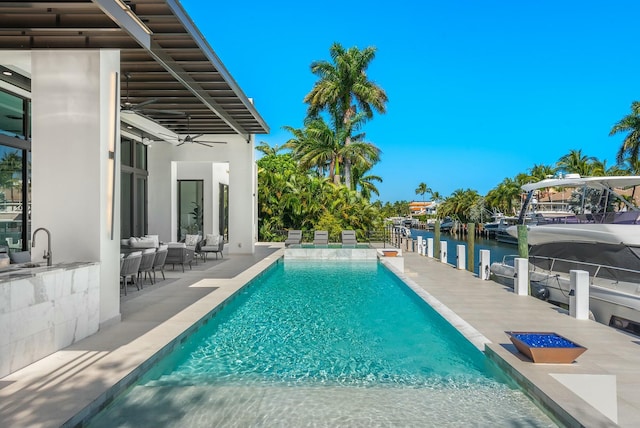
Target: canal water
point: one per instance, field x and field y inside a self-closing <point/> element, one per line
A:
<point x="497" y="249"/>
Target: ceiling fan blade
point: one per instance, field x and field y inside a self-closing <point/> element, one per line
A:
<point x="169" y="112"/>
<point x="203" y="144"/>
<point x="193" y="137"/>
<point x="180" y="143"/>
<point x="209" y="142"/>
<point x="144" y="103"/>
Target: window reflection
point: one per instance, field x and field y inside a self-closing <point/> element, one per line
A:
<point x="12" y="212"/>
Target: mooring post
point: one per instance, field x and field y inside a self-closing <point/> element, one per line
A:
<point x="430" y="247"/>
<point x="460" y="256"/>
<point x="521" y="280"/>
<point x="485" y="263"/>
<point x="523" y="246"/>
<point x="579" y="294"/>
<point x="443" y="251"/>
<point x="436" y="237"/>
<point x="471" y="249"/>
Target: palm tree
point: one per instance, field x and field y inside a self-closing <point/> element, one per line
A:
<point x="10" y="169"/>
<point x="576" y="162"/>
<point x="343" y="89"/>
<point x="505" y="196"/>
<point x="539" y="172"/>
<point x="316" y="146"/>
<point x="267" y="150"/>
<point x="631" y="124"/>
<point x="422" y="189"/>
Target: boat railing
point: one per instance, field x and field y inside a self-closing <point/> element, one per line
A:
<point x="595" y="270"/>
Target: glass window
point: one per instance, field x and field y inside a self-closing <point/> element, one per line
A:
<point x="11" y="197"/>
<point x="11" y="115"/>
<point x="141" y="156"/>
<point x="126" y="210"/>
<point x="190" y="204"/>
<point x="125" y="153"/>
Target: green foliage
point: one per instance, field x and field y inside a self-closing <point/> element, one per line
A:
<point x="331" y="224"/>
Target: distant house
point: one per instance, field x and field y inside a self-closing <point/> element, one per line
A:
<point x="421" y="207"/>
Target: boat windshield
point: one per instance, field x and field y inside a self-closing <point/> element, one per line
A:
<point x="590" y="201"/>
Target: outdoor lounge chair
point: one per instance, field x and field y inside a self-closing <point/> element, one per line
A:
<point x="213" y="244"/>
<point x="293" y="238"/>
<point x="320" y="237"/>
<point x="179" y="254"/>
<point x="349" y="238"/>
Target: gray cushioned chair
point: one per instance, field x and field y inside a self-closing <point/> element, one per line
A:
<point x="129" y="269"/>
<point x="349" y="238"/>
<point x="179" y="254"/>
<point x="213" y="244"/>
<point x="320" y="237"/>
<point x="293" y="238"/>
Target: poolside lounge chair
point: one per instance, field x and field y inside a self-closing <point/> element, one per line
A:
<point x="320" y="237"/>
<point x="349" y="238"/>
<point x="294" y="238"/>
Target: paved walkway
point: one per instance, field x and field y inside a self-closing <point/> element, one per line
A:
<point x="610" y="367"/>
<point x="62" y="388"/>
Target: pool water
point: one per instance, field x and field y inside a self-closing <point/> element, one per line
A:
<point x="324" y="344"/>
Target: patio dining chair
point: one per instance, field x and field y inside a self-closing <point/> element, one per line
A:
<point x="146" y="265"/>
<point x="159" y="261"/>
<point x="129" y="269"/>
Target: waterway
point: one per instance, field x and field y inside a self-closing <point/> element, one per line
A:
<point x="497" y="249"/>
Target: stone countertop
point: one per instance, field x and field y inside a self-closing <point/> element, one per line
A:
<point x="27" y="270"/>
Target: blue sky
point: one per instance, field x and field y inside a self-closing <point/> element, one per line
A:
<point x="478" y="90"/>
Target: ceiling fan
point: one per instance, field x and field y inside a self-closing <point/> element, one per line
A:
<point x="188" y="139"/>
<point x="129" y="107"/>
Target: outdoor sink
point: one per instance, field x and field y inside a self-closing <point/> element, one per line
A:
<point x="28" y="265"/>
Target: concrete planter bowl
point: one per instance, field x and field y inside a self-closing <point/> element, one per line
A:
<point x="546" y="347"/>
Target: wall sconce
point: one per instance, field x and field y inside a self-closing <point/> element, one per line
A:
<point x="114" y="107"/>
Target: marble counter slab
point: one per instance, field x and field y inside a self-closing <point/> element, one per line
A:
<point x="44" y="309"/>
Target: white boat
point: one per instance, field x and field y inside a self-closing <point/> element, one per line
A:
<point x="501" y="232"/>
<point x="599" y="232"/>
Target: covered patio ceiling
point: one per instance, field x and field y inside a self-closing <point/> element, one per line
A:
<point x="166" y="64"/>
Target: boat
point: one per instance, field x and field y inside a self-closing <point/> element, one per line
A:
<point x="597" y="231"/>
<point x="490" y="227"/>
<point x="447" y="224"/>
<point x="501" y="233"/>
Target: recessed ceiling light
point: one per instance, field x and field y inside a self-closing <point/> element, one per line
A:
<point x="129" y="127"/>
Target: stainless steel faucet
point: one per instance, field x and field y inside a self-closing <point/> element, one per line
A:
<point x="47" y="253"/>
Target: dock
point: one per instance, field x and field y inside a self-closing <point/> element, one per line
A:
<point x="599" y="389"/>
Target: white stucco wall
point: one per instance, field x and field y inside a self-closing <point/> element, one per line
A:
<point x="72" y="122"/>
<point x="168" y="163"/>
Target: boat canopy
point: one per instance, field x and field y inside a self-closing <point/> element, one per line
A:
<point x="612" y="182"/>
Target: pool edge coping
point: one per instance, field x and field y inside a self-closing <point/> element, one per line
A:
<point x="82" y="417"/>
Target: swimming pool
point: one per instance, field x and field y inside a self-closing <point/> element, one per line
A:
<point x="324" y="343"/>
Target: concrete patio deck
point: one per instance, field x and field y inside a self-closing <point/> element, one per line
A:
<point x="63" y="388"/>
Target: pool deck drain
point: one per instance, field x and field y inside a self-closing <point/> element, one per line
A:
<point x="63" y="387"/>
